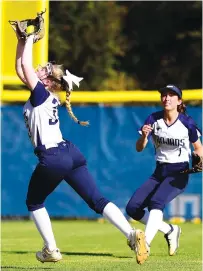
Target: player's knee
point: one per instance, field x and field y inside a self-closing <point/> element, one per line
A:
<point x="98" y="205"/>
<point x="33" y="206"/>
<point x="156" y="205"/>
<point x="134" y="211"/>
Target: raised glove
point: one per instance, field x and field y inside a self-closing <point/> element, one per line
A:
<point x="27" y="27"/>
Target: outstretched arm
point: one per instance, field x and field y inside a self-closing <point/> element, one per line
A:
<point x="18" y="66"/>
<point x="28" y="70"/>
<point x="19" y="52"/>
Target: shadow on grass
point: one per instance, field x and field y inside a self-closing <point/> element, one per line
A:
<point x="92" y="254"/>
<point x="123" y="257"/>
<point x="17" y="252"/>
<point x="86" y="254"/>
<point x="24" y="268"/>
<point x="74" y="254"/>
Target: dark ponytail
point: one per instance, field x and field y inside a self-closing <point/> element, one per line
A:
<point x="182" y="108"/>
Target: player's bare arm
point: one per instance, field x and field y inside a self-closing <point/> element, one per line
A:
<point x="143" y="140"/>
<point x="18" y="68"/>
<point x="19" y="51"/>
<point x="198" y="148"/>
<point x="28" y="71"/>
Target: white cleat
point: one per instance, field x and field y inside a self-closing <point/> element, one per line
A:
<point x="49" y="256"/>
<point x="138" y="244"/>
<point x="172" y="238"/>
<point x="148" y="248"/>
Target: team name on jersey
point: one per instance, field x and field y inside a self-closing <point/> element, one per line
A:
<point x="169" y="141"/>
<point x="172" y="142"/>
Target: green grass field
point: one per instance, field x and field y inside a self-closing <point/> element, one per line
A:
<point x="90" y="245"/>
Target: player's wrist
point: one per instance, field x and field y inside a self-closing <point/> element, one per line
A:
<point x="30" y="38"/>
<point x="21" y="41"/>
<point x="144" y="137"/>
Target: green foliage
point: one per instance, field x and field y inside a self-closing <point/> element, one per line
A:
<point x="128" y="44"/>
<point x="119" y="81"/>
<point x="85" y="37"/>
<point x="165" y="43"/>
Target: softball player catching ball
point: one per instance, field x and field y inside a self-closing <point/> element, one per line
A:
<point x="60" y="159"/>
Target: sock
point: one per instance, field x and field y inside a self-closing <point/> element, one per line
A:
<point x="115" y="216"/>
<point x="43" y="224"/>
<point x="164" y="227"/>
<point x="153" y="224"/>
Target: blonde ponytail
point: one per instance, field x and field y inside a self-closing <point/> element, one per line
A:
<point x="58" y="83"/>
<point x="69" y="108"/>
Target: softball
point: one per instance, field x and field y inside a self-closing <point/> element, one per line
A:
<point x="30" y="29"/>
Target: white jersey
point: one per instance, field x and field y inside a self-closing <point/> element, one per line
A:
<point x="172" y="142"/>
<point x="41" y="117"/>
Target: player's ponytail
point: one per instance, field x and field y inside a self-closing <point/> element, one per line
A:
<point x="59" y="83"/>
<point x="69" y="108"/>
<point x="182" y="108"/>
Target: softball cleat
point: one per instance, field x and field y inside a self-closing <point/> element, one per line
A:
<point x="49" y="256"/>
<point x="172" y="238"/>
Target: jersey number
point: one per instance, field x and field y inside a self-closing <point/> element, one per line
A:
<point x="54" y="120"/>
<point x="26" y="124"/>
<point x="179" y="152"/>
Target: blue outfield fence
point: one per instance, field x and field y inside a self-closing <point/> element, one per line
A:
<point x="109" y="146"/>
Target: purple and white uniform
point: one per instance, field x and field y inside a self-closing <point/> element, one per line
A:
<point x="41" y="117"/>
<point x="58" y="159"/>
<point x="172" y="152"/>
<point x="172" y="142"/>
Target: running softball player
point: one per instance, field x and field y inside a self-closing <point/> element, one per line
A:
<point x="172" y="131"/>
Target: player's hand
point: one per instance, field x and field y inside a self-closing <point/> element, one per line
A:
<point x="146" y="130"/>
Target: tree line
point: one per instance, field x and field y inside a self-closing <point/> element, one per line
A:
<point x="127" y="45"/>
